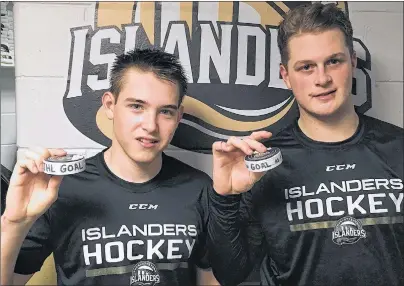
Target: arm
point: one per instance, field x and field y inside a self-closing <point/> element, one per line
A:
<point x="29" y="196"/>
<point x="235" y="238"/>
<point x="234" y="235"/>
<point x="12" y="237"/>
<point x="20" y="279"/>
<point x="205" y="277"/>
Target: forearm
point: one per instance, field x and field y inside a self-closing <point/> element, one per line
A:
<point x="205" y="277"/>
<point x="227" y="242"/>
<point x="12" y="237"/>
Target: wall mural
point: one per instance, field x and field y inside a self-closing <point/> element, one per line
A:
<point x="230" y="54"/>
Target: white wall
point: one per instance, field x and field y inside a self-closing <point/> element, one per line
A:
<point x="7" y="85"/>
<point x="8" y="117"/>
<point x="380" y="26"/>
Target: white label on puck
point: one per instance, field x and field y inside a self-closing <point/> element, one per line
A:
<point x="65" y="165"/>
<point x="261" y="162"/>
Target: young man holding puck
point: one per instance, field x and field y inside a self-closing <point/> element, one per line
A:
<point x="332" y="212"/>
<point x="134" y="216"/>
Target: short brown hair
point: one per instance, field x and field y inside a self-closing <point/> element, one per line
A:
<point x="315" y="17"/>
<point x="164" y="65"/>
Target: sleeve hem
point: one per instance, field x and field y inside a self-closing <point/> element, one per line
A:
<point x="225" y="200"/>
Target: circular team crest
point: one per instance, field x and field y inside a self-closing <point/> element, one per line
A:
<point x="144" y="273"/>
<point x="348" y="231"/>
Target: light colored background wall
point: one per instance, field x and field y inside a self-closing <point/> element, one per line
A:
<point x="8" y="117"/>
<point x="380" y="26"/>
<point x="39" y="45"/>
<point x="7" y="85"/>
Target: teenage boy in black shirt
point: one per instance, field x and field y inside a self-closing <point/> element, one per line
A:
<point x="135" y="216"/>
<point x="332" y="212"/>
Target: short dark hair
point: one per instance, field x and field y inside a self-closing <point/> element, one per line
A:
<point x="314" y="17"/>
<point x="164" y="65"/>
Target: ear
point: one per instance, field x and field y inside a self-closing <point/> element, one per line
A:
<point x="180" y="113"/>
<point x="108" y="102"/>
<point x="354" y="60"/>
<point x="285" y="75"/>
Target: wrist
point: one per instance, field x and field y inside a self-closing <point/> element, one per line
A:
<point x="224" y="192"/>
<point x="227" y="198"/>
<point x="22" y="226"/>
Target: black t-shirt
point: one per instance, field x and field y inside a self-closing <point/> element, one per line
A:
<point x="330" y="214"/>
<point x="103" y="230"/>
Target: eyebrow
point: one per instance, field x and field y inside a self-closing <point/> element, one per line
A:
<point x="309" y="61"/>
<point x="134" y="100"/>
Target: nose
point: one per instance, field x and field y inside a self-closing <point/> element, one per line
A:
<point x="149" y="122"/>
<point x="322" y="78"/>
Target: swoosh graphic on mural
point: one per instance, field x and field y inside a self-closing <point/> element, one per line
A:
<point x="206" y="131"/>
<point x="255" y="112"/>
<point x="204" y="112"/>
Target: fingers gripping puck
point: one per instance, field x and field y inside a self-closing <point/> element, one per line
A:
<point x="261" y="162"/>
<point x="64" y="165"/>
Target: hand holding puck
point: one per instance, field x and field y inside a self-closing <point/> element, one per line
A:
<point x="65" y="165"/>
<point x="261" y="162"/>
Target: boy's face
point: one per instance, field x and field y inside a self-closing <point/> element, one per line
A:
<point x="319" y="72"/>
<point x="145" y="115"/>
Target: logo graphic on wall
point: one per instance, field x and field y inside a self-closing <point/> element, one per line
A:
<point x="228" y="49"/>
<point x="348" y="230"/>
<point x="144" y="273"/>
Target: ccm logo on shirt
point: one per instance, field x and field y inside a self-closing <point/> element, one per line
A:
<point x="340" y="167"/>
<point x="143" y="207"/>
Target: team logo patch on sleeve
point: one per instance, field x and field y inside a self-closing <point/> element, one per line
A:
<point x="348" y="231"/>
<point x="144" y="273"/>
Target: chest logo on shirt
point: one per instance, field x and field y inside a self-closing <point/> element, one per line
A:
<point x="348" y="231"/>
<point x="144" y="273"/>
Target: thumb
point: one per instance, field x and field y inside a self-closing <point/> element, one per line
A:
<point x="54" y="183"/>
